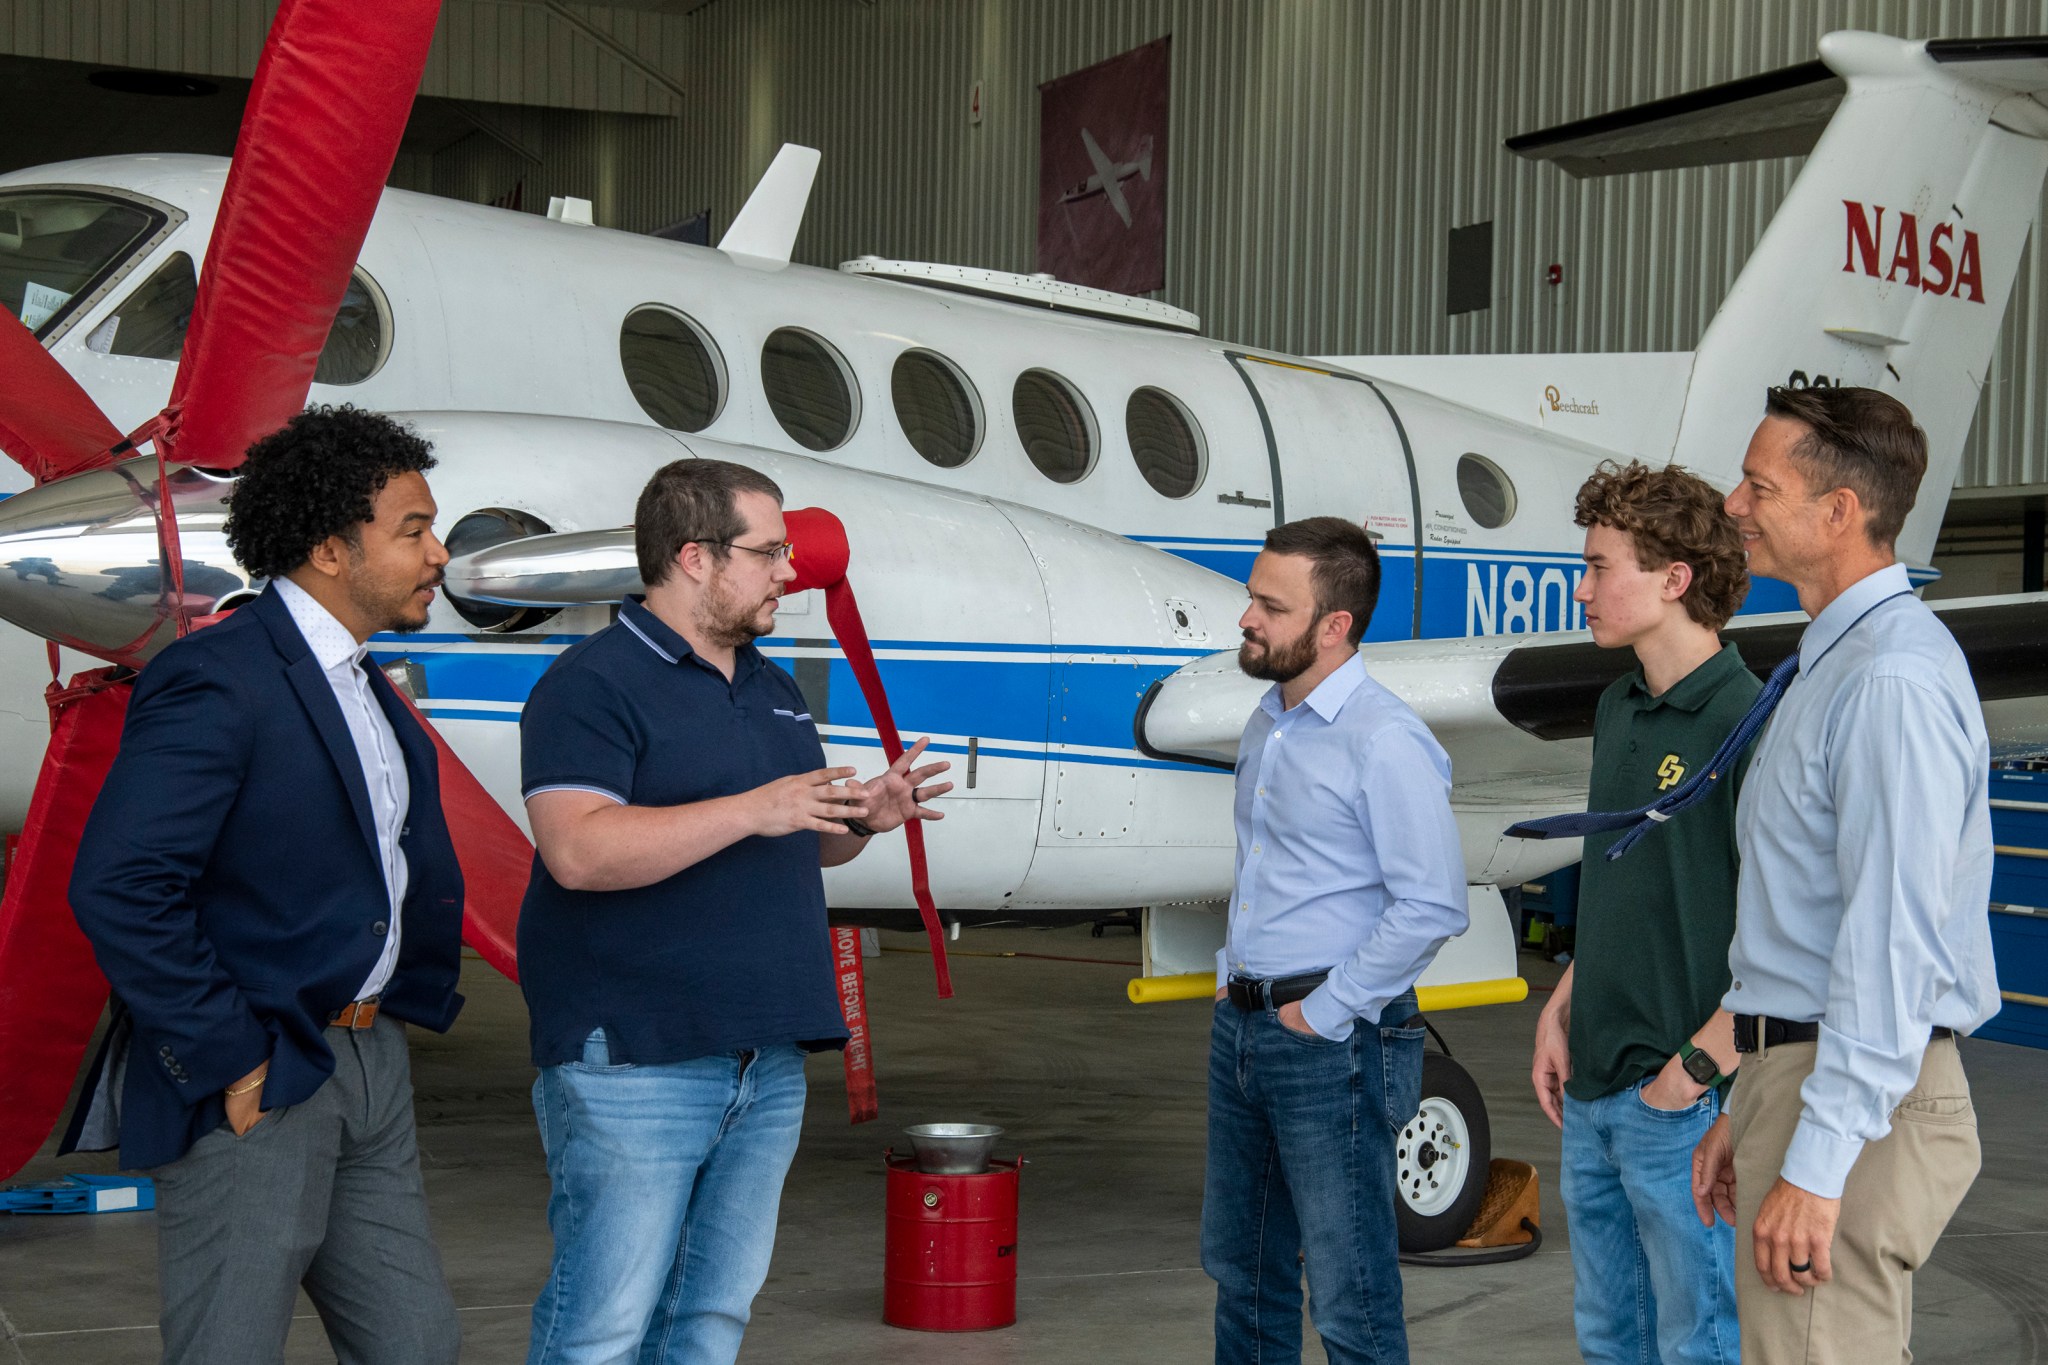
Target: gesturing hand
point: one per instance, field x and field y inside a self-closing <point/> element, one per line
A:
<point x="897" y="796"/>
<point x="807" y="801"/>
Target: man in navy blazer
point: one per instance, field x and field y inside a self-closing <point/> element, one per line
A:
<point x="268" y="883"/>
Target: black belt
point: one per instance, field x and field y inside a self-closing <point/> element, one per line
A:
<point x="1778" y="1032"/>
<point x="1272" y="992"/>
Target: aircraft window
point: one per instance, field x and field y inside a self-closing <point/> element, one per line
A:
<point x="1165" y="442"/>
<point x="810" y="389"/>
<point x="1055" y="425"/>
<point x="153" y="320"/>
<point x="58" y="248"/>
<point x="361" y="336"/>
<point x="673" y="368"/>
<point x="1487" y="491"/>
<point x="937" y="408"/>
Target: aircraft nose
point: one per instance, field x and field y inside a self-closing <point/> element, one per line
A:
<point x="80" y="563"/>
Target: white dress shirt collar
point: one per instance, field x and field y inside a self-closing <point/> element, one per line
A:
<point x="1845" y="611"/>
<point x="1329" y="696"/>
<point x="331" y="642"/>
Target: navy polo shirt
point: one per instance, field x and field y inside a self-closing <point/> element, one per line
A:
<point x="733" y="952"/>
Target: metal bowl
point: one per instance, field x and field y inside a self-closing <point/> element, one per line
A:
<point x="953" y="1148"/>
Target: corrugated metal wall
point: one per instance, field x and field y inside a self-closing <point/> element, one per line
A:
<point x="566" y="56"/>
<point x="1320" y="153"/>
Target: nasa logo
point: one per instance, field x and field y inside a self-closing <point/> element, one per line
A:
<point x="1938" y="272"/>
<point x="1672" y="771"/>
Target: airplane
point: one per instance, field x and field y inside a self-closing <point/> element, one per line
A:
<point x="1110" y="175"/>
<point x="1053" y="493"/>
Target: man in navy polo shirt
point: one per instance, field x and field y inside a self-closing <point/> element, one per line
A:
<point x="673" y="945"/>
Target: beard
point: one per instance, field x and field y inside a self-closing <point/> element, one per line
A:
<point x="1278" y="663"/>
<point x="392" y="608"/>
<point x="730" y="620"/>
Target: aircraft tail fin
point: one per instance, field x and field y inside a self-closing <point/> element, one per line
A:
<point x="767" y="223"/>
<point x="1891" y="261"/>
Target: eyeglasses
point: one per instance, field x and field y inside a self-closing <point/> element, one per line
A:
<point x="785" y="550"/>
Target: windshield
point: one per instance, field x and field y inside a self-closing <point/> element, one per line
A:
<point x="59" y="246"/>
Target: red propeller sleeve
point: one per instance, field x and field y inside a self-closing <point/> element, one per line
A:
<point x="329" y="104"/>
<point x="821" y="556"/>
<point x="48" y="425"/>
<point x="495" y="857"/>
<point x="51" y="989"/>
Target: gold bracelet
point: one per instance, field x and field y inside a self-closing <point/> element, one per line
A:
<point x="253" y="1085"/>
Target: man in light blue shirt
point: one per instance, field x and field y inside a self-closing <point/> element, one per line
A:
<point x="1862" y="943"/>
<point x="1349" y="878"/>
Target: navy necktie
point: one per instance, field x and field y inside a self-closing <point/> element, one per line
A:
<point x="1643" y="819"/>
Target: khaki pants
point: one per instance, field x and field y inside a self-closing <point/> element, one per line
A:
<point x="1899" y="1196"/>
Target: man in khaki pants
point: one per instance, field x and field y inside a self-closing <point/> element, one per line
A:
<point x="1862" y="942"/>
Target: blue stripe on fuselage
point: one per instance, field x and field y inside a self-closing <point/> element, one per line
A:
<point x="1051" y="697"/>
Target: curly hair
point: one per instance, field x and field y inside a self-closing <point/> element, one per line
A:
<point x="318" y="476"/>
<point x="1673" y="516"/>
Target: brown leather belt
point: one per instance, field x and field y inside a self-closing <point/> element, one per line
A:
<point x="356" y="1014"/>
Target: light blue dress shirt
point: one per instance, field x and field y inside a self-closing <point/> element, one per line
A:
<point x="1347" y="853"/>
<point x="1865" y="835"/>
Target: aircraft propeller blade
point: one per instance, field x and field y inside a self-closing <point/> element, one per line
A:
<point x="51" y="989"/>
<point x="325" y="115"/>
<point x="48" y="424"/>
<point x="495" y="857"/>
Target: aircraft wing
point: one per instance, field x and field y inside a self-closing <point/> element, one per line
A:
<point x="1515" y="712"/>
<point x="1105" y="172"/>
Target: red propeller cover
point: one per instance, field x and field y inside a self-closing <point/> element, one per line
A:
<point x="328" y="107"/>
<point x="48" y="425"/>
<point x="51" y="990"/>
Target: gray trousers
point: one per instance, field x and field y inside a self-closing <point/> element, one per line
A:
<point x="324" y="1194"/>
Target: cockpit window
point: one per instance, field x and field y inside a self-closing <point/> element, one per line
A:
<point x="152" y="322"/>
<point x="61" y="249"/>
<point x="154" y="319"/>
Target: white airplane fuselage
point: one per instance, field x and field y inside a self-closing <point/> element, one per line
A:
<point x="1020" y="619"/>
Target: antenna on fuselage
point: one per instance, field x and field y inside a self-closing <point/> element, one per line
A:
<point x="767" y="224"/>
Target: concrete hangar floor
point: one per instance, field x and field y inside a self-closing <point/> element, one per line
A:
<point x="1103" y="1097"/>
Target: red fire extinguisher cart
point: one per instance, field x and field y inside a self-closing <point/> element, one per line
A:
<point x="950" y="1258"/>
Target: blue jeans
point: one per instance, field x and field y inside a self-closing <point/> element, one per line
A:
<point x="666" y="1181"/>
<point x="1651" y="1285"/>
<point x="1301" y="1160"/>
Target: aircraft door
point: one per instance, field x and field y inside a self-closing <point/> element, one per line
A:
<point x="1338" y="449"/>
<point x="1122" y="615"/>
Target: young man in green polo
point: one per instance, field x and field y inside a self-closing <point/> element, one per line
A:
<point x="1633" y="1050"/>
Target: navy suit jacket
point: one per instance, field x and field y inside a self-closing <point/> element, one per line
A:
<point x="230" y="884"/>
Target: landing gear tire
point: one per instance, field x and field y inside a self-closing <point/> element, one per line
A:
<point x="1442" y="1158"/>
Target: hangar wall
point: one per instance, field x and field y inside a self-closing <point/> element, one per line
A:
<point x="1320" y="154"/>
<point x="567" y="56"/>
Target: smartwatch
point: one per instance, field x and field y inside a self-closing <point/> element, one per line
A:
<point x="1700" y="1065"/>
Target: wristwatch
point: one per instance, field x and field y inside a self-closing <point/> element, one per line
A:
<point x="856" y="827"/>
<point x="1700" y="1065"/>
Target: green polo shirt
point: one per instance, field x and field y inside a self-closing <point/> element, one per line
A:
<point x="1654" y="926"/>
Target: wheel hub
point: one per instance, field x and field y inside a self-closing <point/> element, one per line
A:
<point x="1433" y="1157"/>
